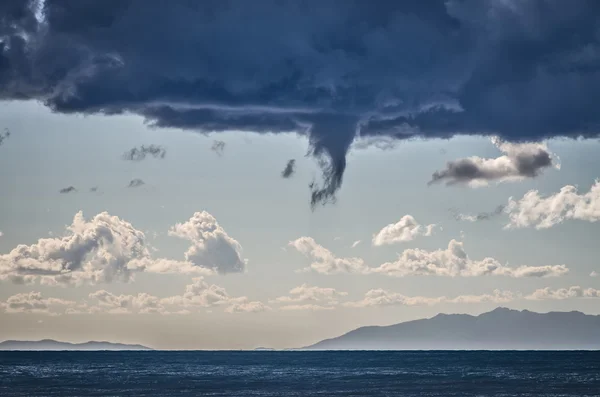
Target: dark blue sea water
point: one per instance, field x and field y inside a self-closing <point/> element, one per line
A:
<point x="299" y="374"/>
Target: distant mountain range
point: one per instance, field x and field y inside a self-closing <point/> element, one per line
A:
<point x="500" y="329"/>
<point x="49" y="344"/>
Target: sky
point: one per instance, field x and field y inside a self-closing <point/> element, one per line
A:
<point x="235" y="177"/>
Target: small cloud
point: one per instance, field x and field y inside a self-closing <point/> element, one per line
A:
<point x="66" y="190"/>
<point x="290" y="169"/>
<point x="94" y="189"/>
<point x="4" y="135"/>
<point x="40" y="321"/>
<point x="140" y="153"/>
<point x="406" y="229"/>
<point x="218" y="147"/>
<point x="354" y="244"/>
<point x="592" y="274"/>
<point x="1" y="234"/>
<point x="136" y="183"/>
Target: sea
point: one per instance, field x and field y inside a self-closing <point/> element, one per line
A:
<point x="300" y="373"/>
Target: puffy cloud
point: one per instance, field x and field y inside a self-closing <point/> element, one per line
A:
<point x="324" y="261"/>
<point x="137" y="182"/>
<point x="218" y="147"/>
<point x="289" y="169"/>
<point x="139" y="154"/>
<point x="454" y="261"/>
<point x="450" y="262"/>
<point x="212" y="248"/>
<point x="594" y="274"/>
<point x="121" y="304"/>
<point x="305" y="297"/>
<point x="381" y="297"/>
<point x="330" y="72"/>
<point x="406" y="229"/>
<point x="520" y="161"/>
<point x="66" y="190"/>
<point x="564" y="293"/>
<point x="533" y="210"/>
<point x="106" y="248"/>
<point x="33" y="302"/>
<point x="95" y="250"/>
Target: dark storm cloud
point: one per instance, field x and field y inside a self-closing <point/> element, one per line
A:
<point x="218" y="147"/>
<point x="140" y="153"/>
<point x="289" y="169"/>
<point x="136" y="183"/>
<point x="66" y="190"/>
<point x="330" y="70"/>
<point x="4" y="135"/>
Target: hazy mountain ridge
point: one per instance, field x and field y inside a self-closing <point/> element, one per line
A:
<point x="50" y="344"/>
<point x="496" y="330"/>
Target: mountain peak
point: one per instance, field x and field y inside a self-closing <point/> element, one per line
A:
<point x="499" y="329"/>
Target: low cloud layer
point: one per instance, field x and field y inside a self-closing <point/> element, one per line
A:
<point x="33" y="302"/>
<point x="305" y="297"/>
<point x="564" y="293"/>
<point x="331" y="73"/>
<point x="450" y="262"/>
<point x="140" y="153"/>
<point x="106" y="248"/>
<point x="406" y="229"/>
<point x="381" y="297"/>
<point x="520" y="161"/>
<point x="198" y="295"/>
<point x="454" y="261"/>
<point x="289" y="169"/>
<point x="534" y="210"/>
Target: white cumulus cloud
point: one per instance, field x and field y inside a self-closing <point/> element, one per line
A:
<point x="533" y="210"/>
<point x="406" y="229"/>
<point x="212" y="247"/>
<point x="564" y="293"/>
<point x="454" y="261"/>
<point x="324" y="261"/>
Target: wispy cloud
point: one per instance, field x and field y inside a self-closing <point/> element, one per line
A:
<point x="140" y="153"/>
<point x="289" y="169"/>
<point x="218" y="147"/>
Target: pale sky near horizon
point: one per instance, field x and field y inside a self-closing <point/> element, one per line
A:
<point x="243" y="190"/>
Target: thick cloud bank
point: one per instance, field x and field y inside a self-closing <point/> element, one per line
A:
<point x="331" y="70"/>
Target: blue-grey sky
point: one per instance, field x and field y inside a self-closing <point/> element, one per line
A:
<point x="243" y="189"/>
<point x="445" y="159"/>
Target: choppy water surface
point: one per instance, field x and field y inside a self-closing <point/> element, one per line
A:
<point x="300" y="374"/>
